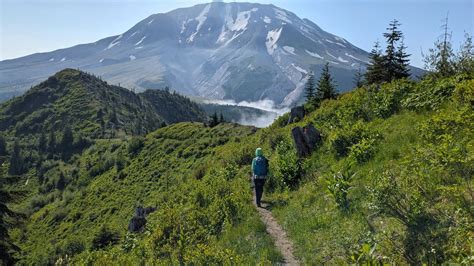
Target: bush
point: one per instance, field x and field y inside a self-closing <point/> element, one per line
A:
<point x="362" y="151"/>
<point x="338" y="186"/>
<point x="430" y="94"/>
<point x="343" y="139"/>
<point x="285" y="167"/>
<point x="104" y="238"/>
<point x="135" y="145"/>
<point x="73" y="247"/>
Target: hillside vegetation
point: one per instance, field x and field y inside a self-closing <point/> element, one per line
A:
<point x="92" y="107"/>
<point x="390" y="182"/>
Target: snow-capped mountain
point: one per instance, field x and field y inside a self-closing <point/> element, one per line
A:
<point x="238" y="51"/>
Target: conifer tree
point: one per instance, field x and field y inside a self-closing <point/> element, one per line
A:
<point x="390" y="59"/>
<point x="402" y="62"/>
<point x="3" y="146"/>
<point x="440" y="59"/>
<point x="326" y="88"/>
<point x="52" y="142"/>
<point x="465" y="56"/>
<point x="61" y="183"/>
<point x="310" y="89"/>
<point x="375" y="70"/>
<point x="358" y="78"/>
<point x="221" y="120"/>
<point x="42" y="143"/>
<point x="16" y="160"/>
<point x="214" y="120"/>
<point x="7" y="248"/>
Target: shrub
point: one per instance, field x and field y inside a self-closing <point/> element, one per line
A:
<point x="430" y="94"/>
<point x="135" y="145"/>
<point x="344" y="138"/>
<point x="73" y="247"/>
<point x="104" y="238"/>
<point x="362" y="151"/>
<point x="338" y="186"/>
<point x="285" y="166"/>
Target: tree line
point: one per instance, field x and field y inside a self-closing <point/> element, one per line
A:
<point x="393" y="63"/>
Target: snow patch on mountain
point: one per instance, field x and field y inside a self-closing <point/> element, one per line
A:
<point x="267" y="20"/>
<point x="132" y="57"/>
<point x="115" y="42"/>
<point x="133" y="34"/>
<point x="289" y="49"/>
<point x="281" y="15"/>
<point x="272" y="39"/>
<point x="151" y="21"/>
<point x="63" y="59"/>
<point x="200" y="19"/>
<point x="340" y="59"/>
<point x="314" y="54"/>
<point x="300" y="69"/>
<point x="51" y="60"/>
<point x="141" y="40"/>
<point x="353" y="57"/>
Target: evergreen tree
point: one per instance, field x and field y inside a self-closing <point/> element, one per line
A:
<point x="358" y="78"/>
<point x="326" y="88"/>
<point x="42" y="143"/>
<point x="310" y="89"/>
<point x="61" y="183"/>
<point x="16" y="160"/>
<point x="221" y="120"/>
<point x="390" y="59"/>
<point x="3" y="146"/>
<point x="7" y="248"/>
<point x="52" y="142"/>
<point x="375" y="70"/>
<point x="465" y="56"/>
<point x="439" y="60"/>
<point x="214" y="120"/>
<point x="67" y="139"/>
<point x="402" y="62"/>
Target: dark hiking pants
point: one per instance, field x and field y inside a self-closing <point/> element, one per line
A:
<point x="259" y="183"/>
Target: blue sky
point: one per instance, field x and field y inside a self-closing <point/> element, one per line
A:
<point x="29" y="26"/>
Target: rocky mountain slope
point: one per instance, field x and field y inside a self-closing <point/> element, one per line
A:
<point x="238" y="51"/>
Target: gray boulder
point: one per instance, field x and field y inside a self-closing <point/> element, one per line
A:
<point x="138" y="221"/>
<point x="296" y="114"/>
<point x="306" y="139"/>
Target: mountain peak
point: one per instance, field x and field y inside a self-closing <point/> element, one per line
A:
<point x="233" y="51"/>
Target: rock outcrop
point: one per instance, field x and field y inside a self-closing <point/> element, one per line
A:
<point x="138" y="221"/>
<point x="296" y="114"/>
<point x="306" y="139"/>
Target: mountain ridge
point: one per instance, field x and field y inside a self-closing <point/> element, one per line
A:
<point x="86" y="103"/>
<point x="239" y="51"/>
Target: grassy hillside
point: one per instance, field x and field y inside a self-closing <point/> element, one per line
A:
<point x="88" y="105"/>
<point x="202" y="216"/>
<point x="390" y="182"/>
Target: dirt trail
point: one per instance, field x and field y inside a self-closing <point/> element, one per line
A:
<point x="282" y="242"/>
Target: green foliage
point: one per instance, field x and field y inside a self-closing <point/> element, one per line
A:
<point x="3" y="146"/>
<point x="338" y="185"/>
<point x="325" y="89"/>
<point x="105" y="237"/>
<point x="135" y="145"/>
<point x="309" y="89"/>
<point x="17" y="161"/>
<point x="343" y="140"/>
<point x="285" y="167"/>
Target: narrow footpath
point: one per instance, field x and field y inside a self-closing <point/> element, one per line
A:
<point x="279" y="235"/>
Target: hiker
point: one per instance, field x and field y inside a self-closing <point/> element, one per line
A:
<point x="259" y="171"/>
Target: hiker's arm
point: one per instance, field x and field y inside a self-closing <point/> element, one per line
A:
<point x="253" y="165"/>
